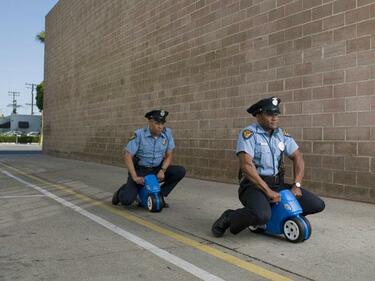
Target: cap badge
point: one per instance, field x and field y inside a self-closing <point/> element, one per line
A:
<point x="162" y="113"/>
<point x="275" y="102"/>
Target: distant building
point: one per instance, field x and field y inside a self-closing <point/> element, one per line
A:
<point x="22" y="123"/>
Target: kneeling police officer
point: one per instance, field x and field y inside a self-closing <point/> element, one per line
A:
<point x="260" y="148"/>
<point x="149" y="151"/>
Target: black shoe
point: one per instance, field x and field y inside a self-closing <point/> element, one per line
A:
<point x="221" y="224"/>
<point x="115" y="199"/>
<point x="138" y="202"/>
<point x="165" y="204"/>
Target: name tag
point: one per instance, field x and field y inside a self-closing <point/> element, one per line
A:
<point x="263" y="143"/>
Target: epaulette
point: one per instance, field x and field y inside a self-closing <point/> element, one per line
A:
<point x="246" y="134"/>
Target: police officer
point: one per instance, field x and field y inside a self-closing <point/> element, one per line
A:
<point x="260" y="148"/>
<point x="149" y="151"/>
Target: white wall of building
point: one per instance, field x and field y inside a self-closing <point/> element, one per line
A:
<point x="34" y="122"/>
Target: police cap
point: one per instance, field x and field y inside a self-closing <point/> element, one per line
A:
<point x="157" y="115"/>
<point x="270" y="105"/>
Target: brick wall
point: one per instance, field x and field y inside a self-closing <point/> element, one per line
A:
<point x="108" y="62"/>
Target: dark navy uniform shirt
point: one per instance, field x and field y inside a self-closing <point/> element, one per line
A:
<point x="265" y="150"/>
<point x="150" y="150"/>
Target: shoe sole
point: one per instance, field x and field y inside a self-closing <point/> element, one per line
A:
<point x="115" y="200"/>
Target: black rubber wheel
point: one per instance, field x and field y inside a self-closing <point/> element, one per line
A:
<point x="152" y="205"/>
<point x="294" y="229"/>
<point x="308" y="226"/>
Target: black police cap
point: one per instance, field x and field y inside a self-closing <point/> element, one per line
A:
<point x="157" y="115"/>
<point x="265" y="105"/>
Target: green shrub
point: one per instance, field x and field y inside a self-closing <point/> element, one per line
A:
<point x="21" y="139"/>
<point x="7" y="138"/>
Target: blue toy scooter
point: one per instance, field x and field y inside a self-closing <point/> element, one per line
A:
<point x="286" y="219"/>
<point x="149" y="195"/>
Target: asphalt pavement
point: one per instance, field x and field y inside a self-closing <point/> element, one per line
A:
<point x="57" y="223"/>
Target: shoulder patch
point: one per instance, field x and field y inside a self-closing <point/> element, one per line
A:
<point x="134" y="135"/>
<point x="246" y="134"/>
<point x="286" y="134"/>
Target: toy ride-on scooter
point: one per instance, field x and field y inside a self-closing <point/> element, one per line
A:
<point x="286" y="219"/>
<point x="149" y="196"/>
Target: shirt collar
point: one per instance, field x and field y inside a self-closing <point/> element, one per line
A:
<point x="260" y="130"/>
<point x="148" y="133"/>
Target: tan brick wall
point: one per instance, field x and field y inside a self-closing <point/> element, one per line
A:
<point x="108" y="62"/>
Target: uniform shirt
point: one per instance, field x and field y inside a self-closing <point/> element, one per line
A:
<point x="150" y="150"/>
<point x="265" y="150"/>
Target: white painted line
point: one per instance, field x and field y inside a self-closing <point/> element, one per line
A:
<point x="196" y="271"/>
<point x="22" y="196"/>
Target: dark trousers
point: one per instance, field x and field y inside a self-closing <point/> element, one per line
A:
<point x="173" y="174"/>
<point x="257" y="207"/>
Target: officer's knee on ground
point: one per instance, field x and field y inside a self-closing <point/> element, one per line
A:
<point x="125" y="200"/>
<point x="240" y="220"/>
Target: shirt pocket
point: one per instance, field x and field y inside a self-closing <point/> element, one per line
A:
<point x="161" y="146"/>
<point x="265" y="156"/>
<point x="257" y="151"/>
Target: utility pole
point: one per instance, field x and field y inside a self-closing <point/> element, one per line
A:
<point x="32" y="87"/>
<point x="14" y="103"/>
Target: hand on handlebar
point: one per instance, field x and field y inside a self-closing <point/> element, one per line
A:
<point x="160" y="176"/>
<point x="296" y="191"/>
<point x="273" y="196"/>
<point x="139" y="180"/>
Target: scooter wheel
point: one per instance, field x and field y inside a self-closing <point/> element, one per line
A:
<point x="294" y="229"/>
<point x="309" y="229"/>
<point x="257" y="228"/>
<point x="154" y="203"/>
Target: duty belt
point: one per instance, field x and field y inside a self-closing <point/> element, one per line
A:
<point x="146" y="168"/>
<point x="272" y="180"/>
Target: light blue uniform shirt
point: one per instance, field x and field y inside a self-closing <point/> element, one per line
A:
<point x="265" y="150"/>
<point x="149" y="150"/>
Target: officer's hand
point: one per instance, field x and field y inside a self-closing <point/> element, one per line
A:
<point x="296" y="191"/>
<point x="139" y="180"/>
<point x="161" y="175"/>
<point x="273" y="196"/>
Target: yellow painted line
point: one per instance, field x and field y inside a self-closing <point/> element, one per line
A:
<point x="253" y="268"/>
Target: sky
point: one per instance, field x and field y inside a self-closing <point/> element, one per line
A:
<point x="21" y="55"/>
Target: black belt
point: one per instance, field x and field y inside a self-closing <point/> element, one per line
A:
<point x="146" y="168"/>
<point x="272" y="180"/>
